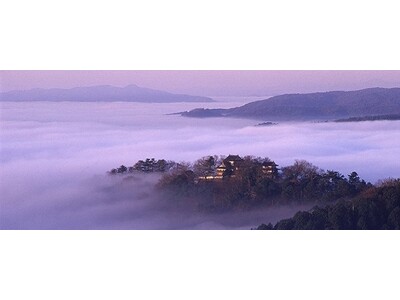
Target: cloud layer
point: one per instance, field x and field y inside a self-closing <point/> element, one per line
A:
<point x="54" y="157"/>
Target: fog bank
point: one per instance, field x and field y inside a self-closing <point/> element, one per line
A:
<point x="54" y="157"/>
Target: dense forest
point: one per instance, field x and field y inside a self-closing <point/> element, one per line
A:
<point x="376" y="208"/>
<point x="248" y="185"/>
<point x="220" y="184"/>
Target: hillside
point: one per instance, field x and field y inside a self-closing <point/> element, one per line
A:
<point x="314" y="106"/>
<point x="130" y="93"/>
<point x="376" y="208"/>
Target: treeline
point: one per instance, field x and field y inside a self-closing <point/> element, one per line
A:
<point x="393" y="117"/>
<point x="375" y="208"/>
<point x="299" y="183"/>
<point x="340" y="202"/>
<point x="148" y="165"/>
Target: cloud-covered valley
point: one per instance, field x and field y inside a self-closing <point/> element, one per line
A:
<point x="54" y="158"/>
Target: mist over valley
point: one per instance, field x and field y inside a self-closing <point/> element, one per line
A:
<point x="313" y="106"/>
<point x="54" y="159"/>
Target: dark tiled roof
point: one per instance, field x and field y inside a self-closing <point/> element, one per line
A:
<point x="233" y="157"/>
<point x="269" y="163"/>
<point x="222" y="165"/>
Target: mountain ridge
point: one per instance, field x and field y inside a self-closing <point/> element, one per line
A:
<point x="101" y="93"/>
<point x="313" y="106"/>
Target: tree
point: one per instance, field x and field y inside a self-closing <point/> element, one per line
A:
<point x="122" y="169"/>
<point x="303" y="221"/>
<point x="267" y="189"/>
<point x="265" y="227"/>
<point x="320" y="218"/>
<point x="161" y="165"/>
<point x="356" y="184"/>
<point x="393" y="221"/>
<point x="341" y="215"/>
<point x="299" y="180"/>
<point x="205" y="166"/>
<point x="301" y="170"/>
<point x="333" y="186"/>
<point x="286" y="224"/>
<point x="179" y="180"/>
<point x="368" y="215"/>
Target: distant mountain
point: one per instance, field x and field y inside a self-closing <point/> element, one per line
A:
<point x="130" y="93"/>
<point x="315" y="106"/>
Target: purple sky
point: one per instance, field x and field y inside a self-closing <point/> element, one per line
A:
<point x="207" y="83"/>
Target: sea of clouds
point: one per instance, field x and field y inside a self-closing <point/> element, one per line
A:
<point x="54" y="158"/>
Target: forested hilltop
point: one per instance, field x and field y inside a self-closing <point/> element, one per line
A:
<point x="223" y="183"/>
<point x="220" y="184"/>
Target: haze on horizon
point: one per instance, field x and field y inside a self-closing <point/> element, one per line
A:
<point x="206" y="83"/>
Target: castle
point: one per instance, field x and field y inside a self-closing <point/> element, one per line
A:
<point x="232" y="164"/>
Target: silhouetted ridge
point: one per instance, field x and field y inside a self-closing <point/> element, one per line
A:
<point x="108" y="93"/>
<point x="317" y="106"/>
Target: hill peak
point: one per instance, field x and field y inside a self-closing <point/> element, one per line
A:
<point x="104" y="93"/>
